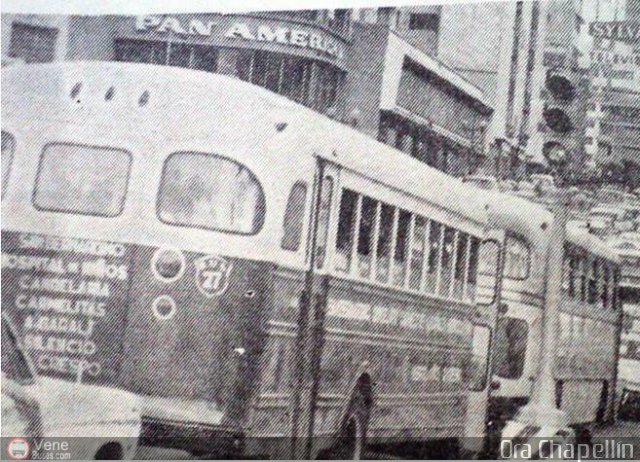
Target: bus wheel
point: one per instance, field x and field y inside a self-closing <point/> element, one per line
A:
<point x="350" y="442"/>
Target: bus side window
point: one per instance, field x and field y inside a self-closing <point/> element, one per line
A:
<point x="584" y="268"/>
<point x="346" y="230"/>
<point x="572" y="275"/>
<point x="385" y="239"/>
<point x="446" y="262"/>
<point x="606" y="275"/>
<point x="436" y="231"/>
<point x="324" y="218"/>
<point x="565" y="272"/>
<point x="368" y="213"/>
<point x="416" y="260"/>
<point x="294" y="217"/>
<point x="460" y="265"/>
<point x="8" y="147"/>
<point x="400" y="253"/>
<point x="615" y="297"/>
<point x="593" y="282"/>
<point x="472" y="269"/>
<point x="517" y="258"/>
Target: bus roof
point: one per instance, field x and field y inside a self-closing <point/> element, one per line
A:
<point x="518" y="216"/>
<point x="591" y="244"/>
<point x="167" y="88"/>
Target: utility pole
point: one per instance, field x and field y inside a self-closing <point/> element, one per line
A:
<point x="543" y="393"/>
<point x="541" y="411"/>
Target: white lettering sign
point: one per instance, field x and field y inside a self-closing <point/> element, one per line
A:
<point x="295" y="37"/>
<point x="172" y="24"/>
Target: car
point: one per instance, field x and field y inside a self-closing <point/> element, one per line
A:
<point x="604" y="219"/>
<point x="629" y="407"/>
<point x="489" y="183"/>
<point x="542" y="181"/>
<point x="37" y="408"/>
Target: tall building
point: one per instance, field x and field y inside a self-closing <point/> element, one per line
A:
<point x="409" y="98"/>
<point x="613" y="119"/>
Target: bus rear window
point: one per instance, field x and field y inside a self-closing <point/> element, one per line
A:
<point x="86" y="180"/>
<point x="8" y="146"/>
<point x="212" y="192"/>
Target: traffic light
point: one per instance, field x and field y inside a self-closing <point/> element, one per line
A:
<point x="563" y="119"/>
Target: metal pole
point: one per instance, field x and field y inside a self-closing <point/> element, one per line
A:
<point x="543" y="393"/>
<point x="541" y="411"/>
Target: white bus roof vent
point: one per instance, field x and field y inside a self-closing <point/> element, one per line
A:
<point x="144" y="98"/>
<point x="75" y="91"/>
<point x="108" y="96"/>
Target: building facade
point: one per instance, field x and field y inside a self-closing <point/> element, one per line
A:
<point x="408" y="99"/>
<point x="373" y="69"/>
<point x="499" y="46"/>
<point x="613" y="125"/>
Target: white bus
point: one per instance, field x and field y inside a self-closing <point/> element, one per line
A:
<point x="270" y="281"/>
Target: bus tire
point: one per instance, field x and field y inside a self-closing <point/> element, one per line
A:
<point x="349" y="444"/>
<point x="110" y="451"/>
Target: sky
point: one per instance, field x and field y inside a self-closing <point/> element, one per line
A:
<point x="178" y="6"/>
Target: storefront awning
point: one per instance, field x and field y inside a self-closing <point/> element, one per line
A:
<point x="418" y="120"/>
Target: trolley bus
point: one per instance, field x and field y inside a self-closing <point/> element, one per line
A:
<point x="527" y="227"/>
<point x="254" y="270"/>
<point x="590" y="317"/>
<point x="627" y="247"/>
<point x="590" y="329"/>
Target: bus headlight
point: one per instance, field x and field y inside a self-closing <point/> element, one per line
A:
<point x="168" y="264"/>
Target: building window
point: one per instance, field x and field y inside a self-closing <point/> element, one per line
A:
<point x="370" y="15"/>
<point x="424" y="21"/>
<point x="291" y="77"/>
<point x="33" y="44"/>
<point x="198" y="57"/>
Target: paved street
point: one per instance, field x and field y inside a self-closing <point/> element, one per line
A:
<point x="623" y="432"/>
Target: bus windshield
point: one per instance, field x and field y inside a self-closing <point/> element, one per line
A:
<point x="212" y="192"/>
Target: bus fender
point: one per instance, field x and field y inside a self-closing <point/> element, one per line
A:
<point x="362" y="370"/>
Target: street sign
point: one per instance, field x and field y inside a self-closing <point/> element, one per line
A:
<point x="616" y="30"/>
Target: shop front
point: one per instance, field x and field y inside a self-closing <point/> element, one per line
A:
<point x="295" y="57"/>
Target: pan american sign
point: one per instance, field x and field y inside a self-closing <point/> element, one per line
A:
<point x="283" y="33"/>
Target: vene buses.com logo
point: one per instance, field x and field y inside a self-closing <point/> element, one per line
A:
<point x="18" y="449"/>
<point x="212" y="275"/>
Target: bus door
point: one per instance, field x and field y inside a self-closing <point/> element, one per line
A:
<point x="312" y="304"/>
<point x="491" y="268"/>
